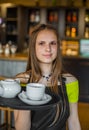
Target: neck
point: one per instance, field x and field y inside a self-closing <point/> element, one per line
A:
<point x="46" y="69"/>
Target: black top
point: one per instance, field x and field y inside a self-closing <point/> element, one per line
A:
<point x="43" y="119"/>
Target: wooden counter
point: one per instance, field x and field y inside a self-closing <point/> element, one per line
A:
<point x="15" y="57"/>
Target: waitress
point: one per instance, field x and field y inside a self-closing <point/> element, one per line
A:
<point x="45" y="66"/>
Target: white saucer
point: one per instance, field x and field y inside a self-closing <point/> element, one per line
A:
<point x="23" y="97"/>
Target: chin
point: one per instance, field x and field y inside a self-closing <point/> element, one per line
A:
<point x="47" y="62"/>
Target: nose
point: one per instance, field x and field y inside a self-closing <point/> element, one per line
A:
<point x="48" y="47"/>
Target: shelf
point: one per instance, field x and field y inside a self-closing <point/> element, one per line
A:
<point x="86" y="28"/>
<point x="34" y="15"/>
<point x="53" y="17"/>
<point x="12" y="24"/>
<point x="68" y="21"/>
<point x="71" y="22"/>
<point x="12" y="12"/>
<point x="11" y="19"/>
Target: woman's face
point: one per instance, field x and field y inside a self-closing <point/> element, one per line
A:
<point x="46" y="46"/>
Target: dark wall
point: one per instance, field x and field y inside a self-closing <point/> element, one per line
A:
<point x="79" y="67"/>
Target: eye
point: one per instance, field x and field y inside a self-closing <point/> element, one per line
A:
<point x="41" y="43"/>
<point x="53" y="43"/>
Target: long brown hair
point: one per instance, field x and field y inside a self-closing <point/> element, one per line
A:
<point x="33" y="62"/>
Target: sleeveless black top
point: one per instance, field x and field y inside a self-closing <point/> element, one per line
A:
<point x="43" y="119"/>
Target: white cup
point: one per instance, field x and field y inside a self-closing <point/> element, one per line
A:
<point x="35" y="91"/>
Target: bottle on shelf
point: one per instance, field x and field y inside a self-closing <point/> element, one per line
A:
<point x="86" y="32"/>
<point x="68" y="31"/>
<point x="87" y="17"/>
<point x="1" y="48"/>
<point x="37" y="16"/>
<point x="7" y="49"/>
<point x="32" y="17"/>
<point x="74" y="16"/>
<point x="55" y="17"/>
<point x="73" y="32"/>
<point x="68" y="17"/>
<point x="51" y="17"/>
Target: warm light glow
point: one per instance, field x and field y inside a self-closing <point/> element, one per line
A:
<point x="73" y="29"/>
<point x="7" y="4"/>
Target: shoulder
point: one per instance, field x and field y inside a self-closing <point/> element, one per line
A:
<point x="69" y="78"/>
<point x="72" y="87"/>
<point x="23" y="76"/>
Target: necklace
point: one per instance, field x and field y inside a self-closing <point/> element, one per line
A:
<point x="47" y="77"/>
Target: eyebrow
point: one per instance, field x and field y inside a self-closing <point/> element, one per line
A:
<point x="44" y="41"/>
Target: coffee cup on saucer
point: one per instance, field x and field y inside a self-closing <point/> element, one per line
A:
<point x="35" y="91"/>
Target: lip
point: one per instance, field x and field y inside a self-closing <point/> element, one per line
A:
<point x="47" y="55"/>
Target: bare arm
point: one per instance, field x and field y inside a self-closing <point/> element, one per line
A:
<point x="22" y="119"/>
<point x="73" y="120"/>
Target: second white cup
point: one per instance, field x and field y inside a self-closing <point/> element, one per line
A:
<point x="35" y="91"/>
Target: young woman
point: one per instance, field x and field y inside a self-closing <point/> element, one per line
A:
<point x="45" y="66"/>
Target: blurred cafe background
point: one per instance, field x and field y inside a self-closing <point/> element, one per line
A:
<point x="70" y="17"/>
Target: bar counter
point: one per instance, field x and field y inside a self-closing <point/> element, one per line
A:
<point x="15" y="57"/>
<point x="10" y="65"/>
<point x="23" y="57"/>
